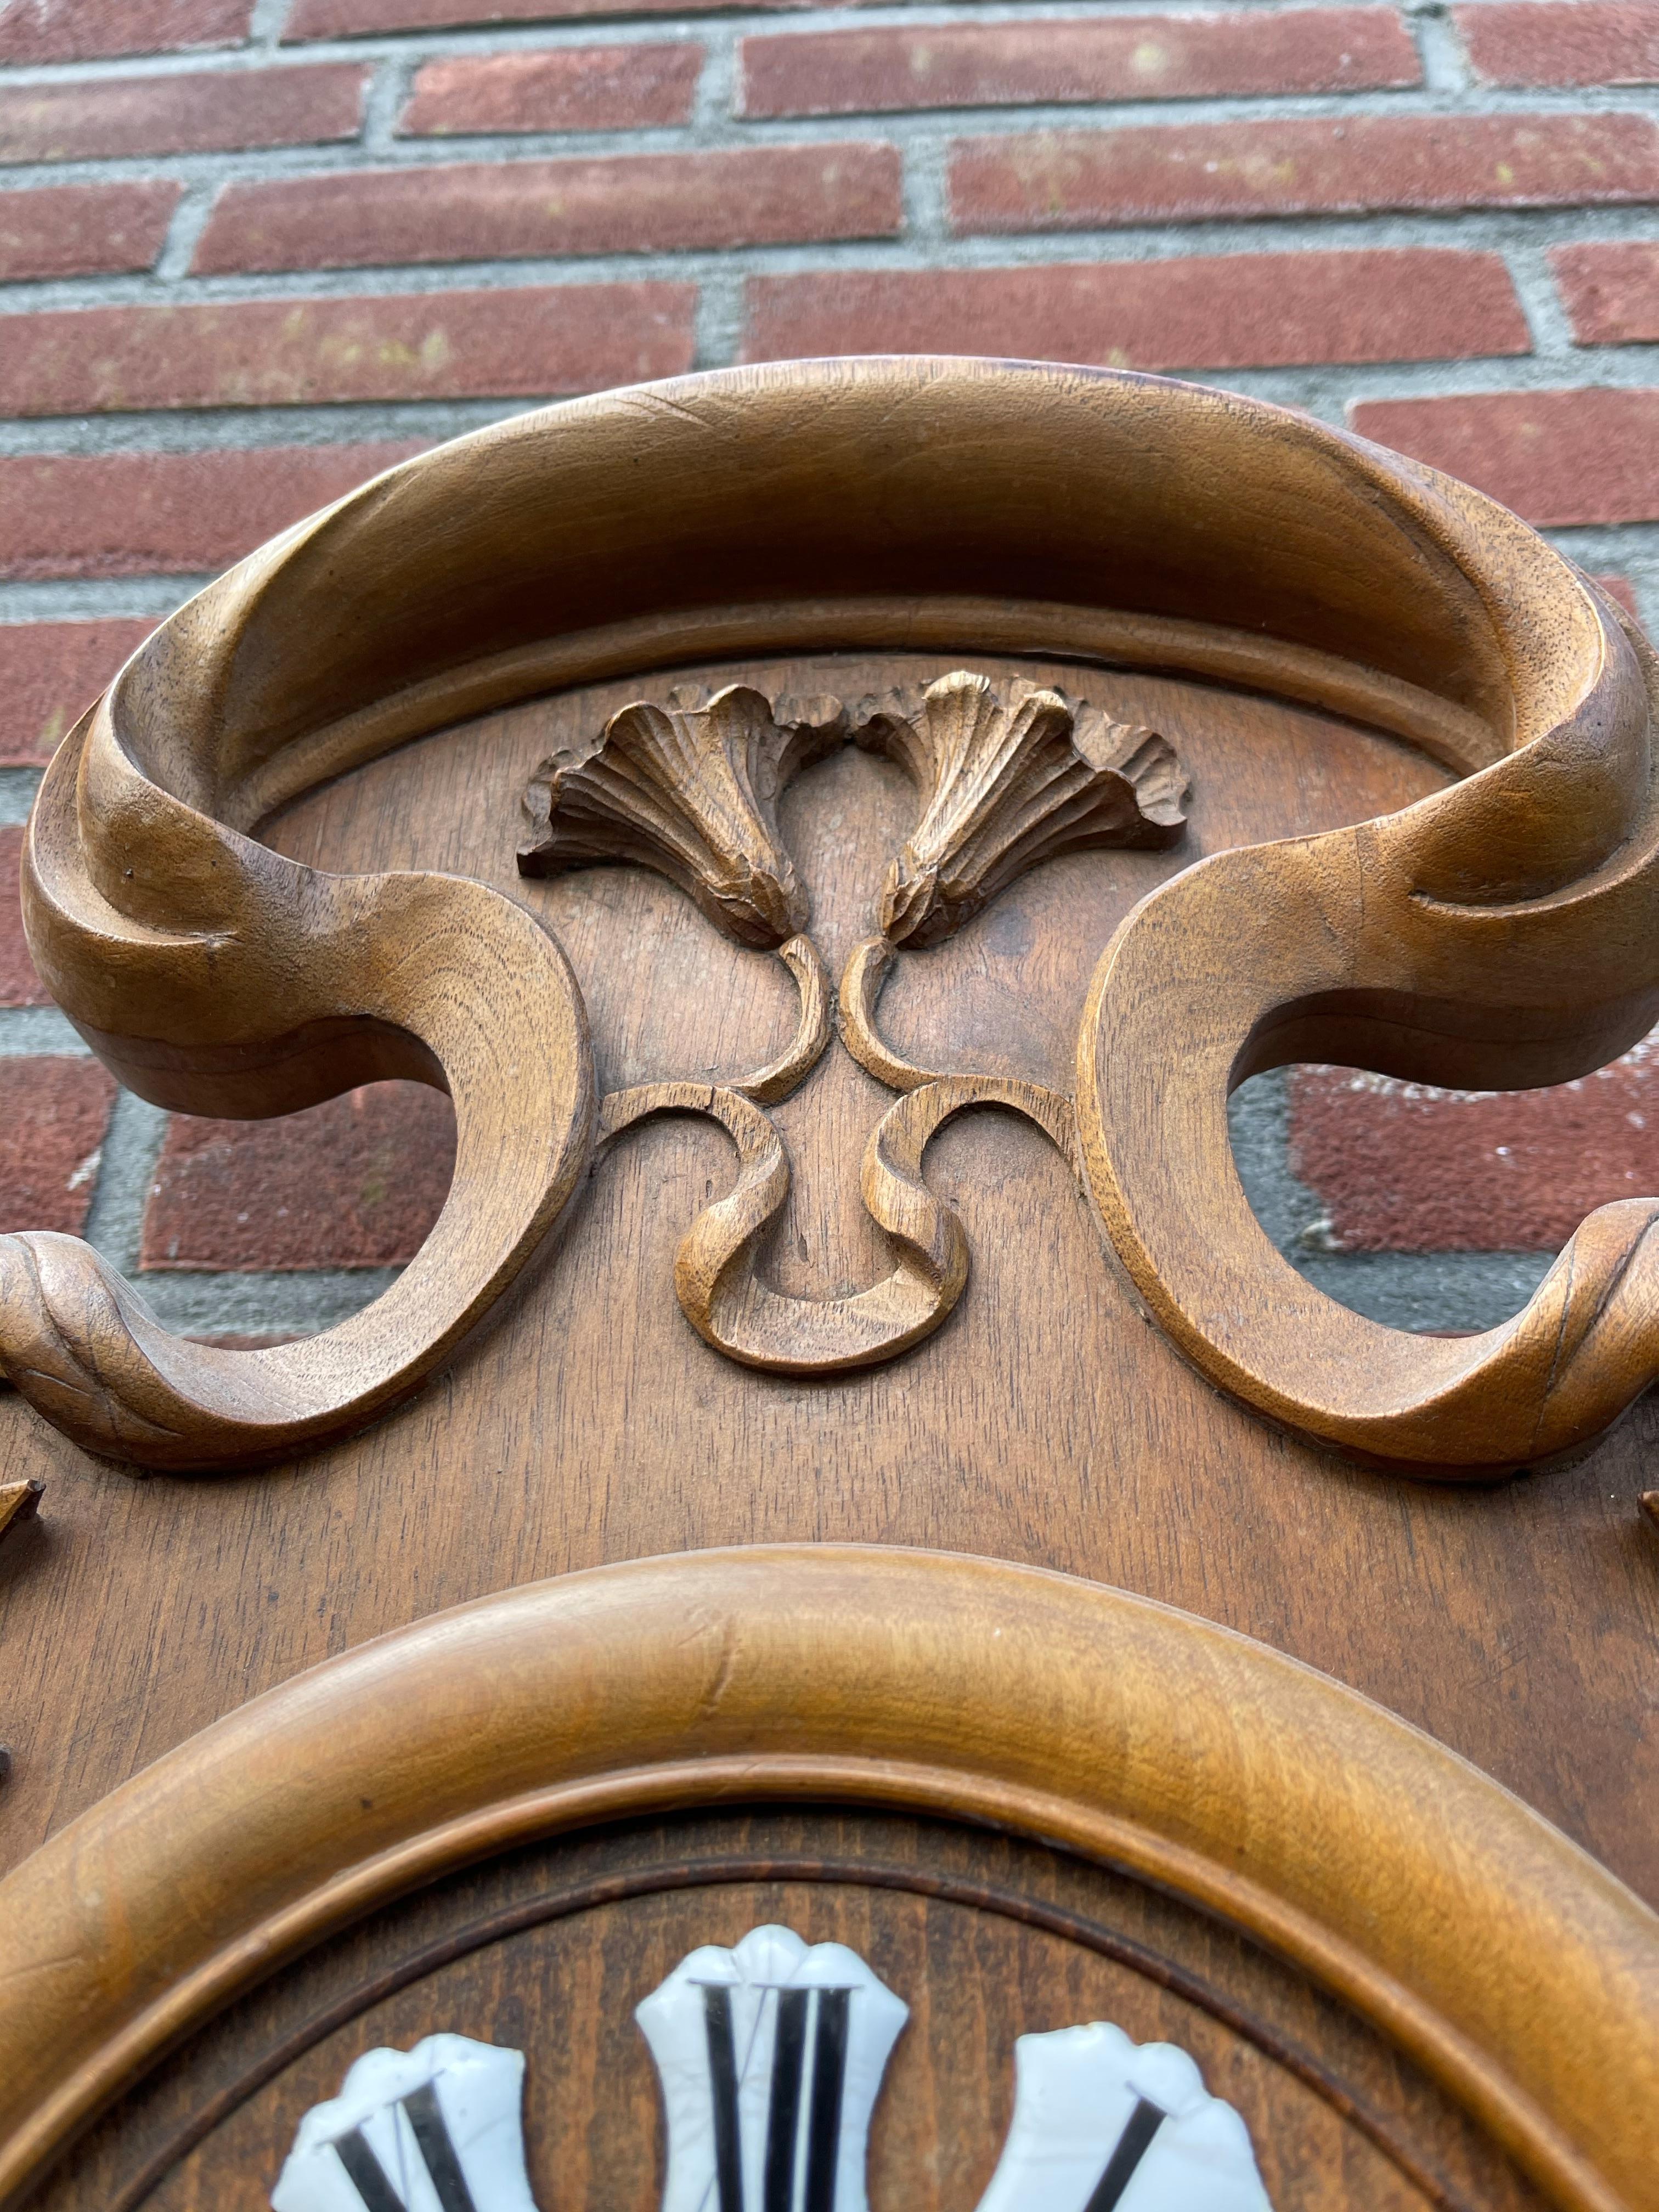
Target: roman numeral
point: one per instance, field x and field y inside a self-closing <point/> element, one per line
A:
<point x="1133" y="2145"/>
<point x="437" y="2152"/>
<point x="803" y="2123"/>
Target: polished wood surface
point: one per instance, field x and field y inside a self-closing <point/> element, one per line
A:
<point x="1508" y="1964"/>
<point x="1166" y="739"/>
<point x="1498" y="932"/>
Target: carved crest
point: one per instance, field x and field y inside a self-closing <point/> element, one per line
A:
<point x="1008" y="775"/>
<point x="771" y="2056"/>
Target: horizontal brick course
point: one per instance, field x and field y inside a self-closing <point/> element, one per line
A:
<point x="1230" y="311"/>
<point x="1620" y="588"/>
<point x="19" y="984"/>
<point x="92" y="30"/>
<point x="1177" y="57"/>
<point x="54" y="1114"/>
<point x="430" y="345"/>
<point x="354" y="1184"/>
<point x="1611" y="292"/>
<point x="83" y="230"/>
<point x="196" y="113"/>
<point x="1074" y="180"/>
<point x="1401" y="1168"/>
<point x="138" y="514"/>
<point x="567" y="89"/>
<point x="622" y="203"/>
<point x="1544" y="42"/>
<point x="346" y="19"/>
<point x="1557" y="458"/>
<point x="50" y="674"/>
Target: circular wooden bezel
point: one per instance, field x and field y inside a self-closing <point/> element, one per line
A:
<point x="1516" y="1970"/>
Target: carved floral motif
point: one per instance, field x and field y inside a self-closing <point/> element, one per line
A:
<point x="1009" y="775"/>
<point x="689" y="789"/>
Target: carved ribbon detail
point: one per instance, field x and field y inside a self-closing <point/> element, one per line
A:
<point x="1504" y="933"/>
<point x="1008" y="775"/>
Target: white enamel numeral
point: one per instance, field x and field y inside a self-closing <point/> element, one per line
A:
<point x="1102" y="2124"/>
<point x="437" y="2129"/>
<point x="771" y="2058"/>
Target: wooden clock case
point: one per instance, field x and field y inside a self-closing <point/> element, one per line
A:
<point x="1059" y="745"/>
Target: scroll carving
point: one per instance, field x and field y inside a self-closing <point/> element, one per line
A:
<point x="1502" y="932"/>
<point x="1008" y="776"/>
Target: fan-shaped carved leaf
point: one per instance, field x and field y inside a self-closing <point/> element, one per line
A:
<point x="1009" y="777"/>
<point x="690" y="789"/>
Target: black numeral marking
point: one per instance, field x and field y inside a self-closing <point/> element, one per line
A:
<point x="1132" y="2146"/>
<point x="808" y="2084"/>
<point x="432" y="2139"/>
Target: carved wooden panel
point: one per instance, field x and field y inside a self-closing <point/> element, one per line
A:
<point x="721" y="794"/>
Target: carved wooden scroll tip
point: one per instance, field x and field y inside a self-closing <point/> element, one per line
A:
<point x="1009" y="776"/>
<point x="19" y="1502"/>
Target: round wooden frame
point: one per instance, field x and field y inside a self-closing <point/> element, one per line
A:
<point x="1504" y="933"/>
<point x="1511" y="1966"/>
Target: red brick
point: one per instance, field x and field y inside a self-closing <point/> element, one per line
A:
<point x="1233" y="311"/>
<point x="90" y="30"/>
<point x="54" y="1113"/>
<point x="1539" y="42"/>
<point x="356" y="1182"/>
<point x="623" y="203"/>
<point x="345" y="19"/>
<point x="50" y="674"/>
<point x="1621" y="588"/>
<point x="201" y="112"/>
<point x="1074" y="180"/>
<point x="1402" y="1168"/>
<point x="1116" y="57"/>
<point x="19" y="984"/>
<point x="83" y="230"/>
<point x="288" y="353"/>
<point x="164" y="514"/>
<point x="1612" y="292"/>
<point x="566" y="89"/>
<point x="1557" y="458"/>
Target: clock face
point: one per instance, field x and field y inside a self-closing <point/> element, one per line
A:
<point x="770" y="2054"/>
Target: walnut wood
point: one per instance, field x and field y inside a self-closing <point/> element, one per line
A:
<point x="1321" y="636"/>
<point x="212" y="976"/>
<point x="1517" y="1972"/>
<point x="19" y="1502"/>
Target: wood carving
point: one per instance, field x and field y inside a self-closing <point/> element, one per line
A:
<point x="1503" y="932"/>
<point x="19" y="1502"/>
<point x="1006" y="782"/>
<point x="1508" y="1964"/>
<point x="690" y="791"/>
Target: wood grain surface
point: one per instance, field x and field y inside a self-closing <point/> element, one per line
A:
<point x="1511" y="1967"/>
<point x="1500" y="932"/>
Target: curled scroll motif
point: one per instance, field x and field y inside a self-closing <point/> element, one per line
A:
<point x="1498" y="934"/>
<point x="1007" y="777"/>
<point x="1504" y="932"/>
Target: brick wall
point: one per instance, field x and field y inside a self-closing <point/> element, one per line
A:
<point x="252" y="250"/>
